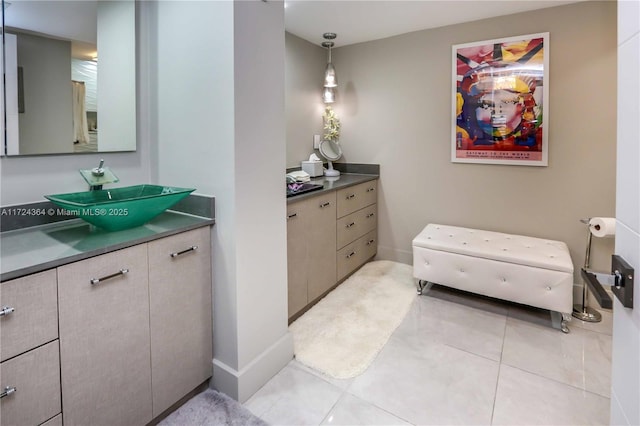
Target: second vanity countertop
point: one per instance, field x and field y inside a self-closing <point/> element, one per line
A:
<point x="333" y="183"/>
<point x="38" y="248"/>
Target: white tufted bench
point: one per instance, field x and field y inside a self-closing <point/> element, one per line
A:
<point x="526" y="270"/>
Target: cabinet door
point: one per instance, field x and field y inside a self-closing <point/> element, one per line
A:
<point x="31" y="317"/>
<point x="321" y="241"/>
<point x="104" y="339"/>
<point x="297" y="256"/>
<point x="181" y="315"/>
<point x="35" y="376"/>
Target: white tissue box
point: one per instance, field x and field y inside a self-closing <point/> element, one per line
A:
<point x="314" y="168"/>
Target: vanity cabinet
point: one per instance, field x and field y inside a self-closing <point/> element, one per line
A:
<point x="115" y="339"/>
<point x="329" y="236"/>
<point x="180" y="315"/>
<point x="311" y="241"/>
<point x="104" y="339"/>
<point x="30" y="367"/>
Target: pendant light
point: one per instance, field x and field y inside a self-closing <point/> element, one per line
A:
<point x="330" y="79"/>
<point x="328" y="95"/>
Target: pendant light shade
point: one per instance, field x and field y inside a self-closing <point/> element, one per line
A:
<point x="328" y="95"/>
<point x="330" y="78"/>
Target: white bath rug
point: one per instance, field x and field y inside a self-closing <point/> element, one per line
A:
<point x="342" y="334"/>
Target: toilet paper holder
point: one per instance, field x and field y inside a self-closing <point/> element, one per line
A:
<point x="623" y="275"/>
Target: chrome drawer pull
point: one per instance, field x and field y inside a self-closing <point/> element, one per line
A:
<point x="291" y="216"/>
<point x="371" y="189"/>
<point x="95" y="281"/>
<point x="349" y="225"/>
<point x="350" y="196"/>
<point x="6" y="310"/>
<point x="351" y="254"/>
<point x="370" y="242"/>
<point x="8" y="391"/>
<point x="178" y="253"/>
<point x="370" y="215"/>
<point x="327" y="204"/>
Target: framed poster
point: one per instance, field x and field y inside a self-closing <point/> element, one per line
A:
<point x="500" y="95"/>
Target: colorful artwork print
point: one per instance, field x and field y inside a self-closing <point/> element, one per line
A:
<point x="499" y="101"/>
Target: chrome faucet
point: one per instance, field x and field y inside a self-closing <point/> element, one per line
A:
<point x="98" y="171"/>
<point x="98" y="176"/>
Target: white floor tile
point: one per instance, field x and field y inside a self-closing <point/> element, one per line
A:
<point x="429" y="383"/>
<point x="581" y="358"/>
<point x="605" y="326"/>
<point x="459" y="359"/>
<point x="351" y="410"/>
<point x="527" y="399"/>
<point x="294" y="397"/>
<point x="470" y="329"/>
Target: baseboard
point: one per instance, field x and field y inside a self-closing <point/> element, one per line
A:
<point x="395" y="255"/>
<point x="241" y="385"/>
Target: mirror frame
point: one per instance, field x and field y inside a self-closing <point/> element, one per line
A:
<point x="120" y="131"/>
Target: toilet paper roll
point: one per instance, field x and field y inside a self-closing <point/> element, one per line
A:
<point x="602" y="226"/>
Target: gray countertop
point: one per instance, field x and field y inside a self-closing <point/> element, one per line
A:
<point x="33" y="249"/>
<point x="331" y="184"/>
<point x="38" y="248"/>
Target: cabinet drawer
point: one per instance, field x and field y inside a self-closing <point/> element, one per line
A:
<point x="36" y="377"/>
<point x="355" y="225"/>
<point x="180" y="315"/>
<point x="356" y="197"/>
<point x="354" y="255"/>
<point x="34" y="319"/>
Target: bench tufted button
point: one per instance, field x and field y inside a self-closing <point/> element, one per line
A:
<point x="505" y="249"/>
<point x="464" y="243"/>
<point x="426" y="263"/>
<point x="548" y="288"/>
<point x="551" y="256"/>
<point x="503" y="279"/>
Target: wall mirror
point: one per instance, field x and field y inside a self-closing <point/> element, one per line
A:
<point x="70" y="77"/>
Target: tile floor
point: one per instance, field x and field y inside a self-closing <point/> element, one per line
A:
<point x="458" y="359"/>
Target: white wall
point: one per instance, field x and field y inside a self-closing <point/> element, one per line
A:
<point x="625" y="376"/>
<point x="395" y="108"/>
<point x="304" y="73"/>
<point x="220" y="128"/>
<point x="45" y="126"/>
<point x="116" y="84"/>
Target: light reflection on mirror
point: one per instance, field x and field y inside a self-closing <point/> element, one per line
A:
<point x="60" y="96"/>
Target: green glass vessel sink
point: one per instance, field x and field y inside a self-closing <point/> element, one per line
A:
<point x="120" y="208"/>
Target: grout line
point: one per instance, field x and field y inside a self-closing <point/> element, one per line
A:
<point x="559" y="382"/>
<point x="495" y="394"/>
<point x="373" y="404"/>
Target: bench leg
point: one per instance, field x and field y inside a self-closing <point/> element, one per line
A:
<point x="421" y="285"/>
<point x="560" y="321"/>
